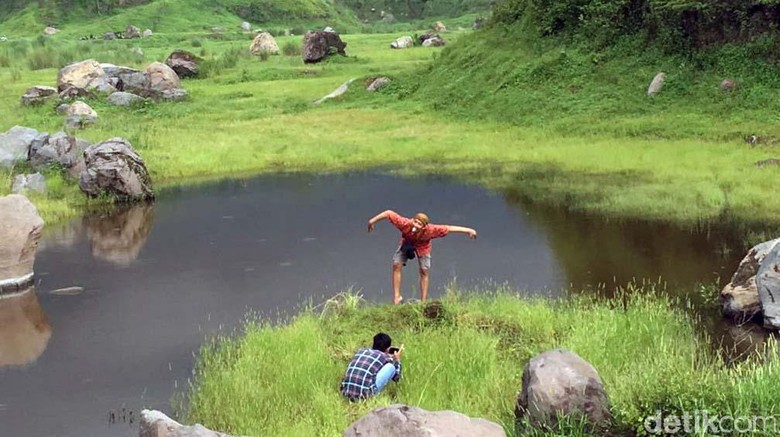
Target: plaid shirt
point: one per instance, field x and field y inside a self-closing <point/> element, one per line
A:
<point x="360" y="379"/>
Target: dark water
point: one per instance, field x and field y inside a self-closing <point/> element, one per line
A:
<point x="157" y="279"/>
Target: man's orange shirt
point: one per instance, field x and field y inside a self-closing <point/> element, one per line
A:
<point x="422" y="239"/>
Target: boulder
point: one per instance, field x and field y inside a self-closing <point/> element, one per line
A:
<point x="85" y="74"/>
<point x="119" y="236"/>
<point x="147" y="33"/>
<point x="656" y="85"/>
<point x="50" y="30"/>
<point x="80" y="115"/>
<point x="138" y="83"/>
<point x="403" y="42"/>
<point x="15" y="145"/>
<point x="184" y="63"/>
<point x="174" y="95"/>
<point x="728" y="85"/>
<point x="246" y="27"/>
<point x="114" y="168"/>
<point x="264" y="42"/>
<point x="121" y="98"/>
<point x="408" y="421"/>
<point x="62" y="108"/>
<point x="38" y="94"/>
<point x="162" y="77"/>
<point x="29" y="183"/>
<point x="116" y="71"/>
<point x="59" y="149"/>
<point x="559" y="382"/>
<point x="387" y="17"/>
<point x="109" y="36"/>
<point x="377" y="83"/>
<point x="434" y="41"/>
<point x="439" y="27"/>
<point x="768" y="284"/>
<point x="20" y="230"/>
<point x="132" y="32"/>
<point x="739" y="298"/>
<point x="318" y="45"/>
<point x="70" y="92"/>
<point x="329" y="29"/>
<point x="154" y="423"/>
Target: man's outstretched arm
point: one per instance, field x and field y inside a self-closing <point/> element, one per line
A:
<point x="378" y="218"/>
<point x="463" y="230"/>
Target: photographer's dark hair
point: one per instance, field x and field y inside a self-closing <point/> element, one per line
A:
<point x="382" y="341"/>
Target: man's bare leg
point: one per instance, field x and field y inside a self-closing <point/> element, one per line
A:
<point x="397" y="283"/>
<point x="423" y="284"/>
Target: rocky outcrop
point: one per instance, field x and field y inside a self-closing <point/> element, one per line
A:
<point x="407" y="421"/>
<point x="559" y="382"/>
<point x="29" y="184"/>
<point x="183" y="63"/>
<point x="318" y="45"/>
<point x="739" y="298"/>
<point x="768" y="284"/>
<point x="264" y="42"/>
<point x="132" y="32"/>
<point x="156" y="424"/>
<point x="403" y="42"/>
<point x="20" y="230"/>
<point x="38" y="94"/>
<point x="121" y="98"/>
<point x="59" y="149"/>
<point x="114" y="168"/>
<point x="80" y="115"/>
<point x="25" y="330"/>
<point x="377" y="83"/>
<point x="657" y="84"/>
<point x="434" y="41"/>
<point x="85" y="74"/>
<point x="119" y="236"/>
<point x="15" y="145"/>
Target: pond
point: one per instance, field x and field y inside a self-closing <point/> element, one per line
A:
<point x="153" y="280"/>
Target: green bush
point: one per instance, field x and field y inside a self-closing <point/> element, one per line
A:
<point x="291" y="48"/>
<point x="197" y="43"/>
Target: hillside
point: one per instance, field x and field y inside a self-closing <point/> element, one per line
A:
<point x="572" y="68"/>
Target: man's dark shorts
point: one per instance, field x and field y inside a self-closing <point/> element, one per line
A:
<point x="400" y="257"/>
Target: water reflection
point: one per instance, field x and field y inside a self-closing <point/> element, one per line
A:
<point x="118" y="236"/>
<point x="24" y="329"/>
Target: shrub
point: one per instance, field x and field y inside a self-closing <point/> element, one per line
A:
<point x="291" y="48"/>
<point x="196" y="43"/>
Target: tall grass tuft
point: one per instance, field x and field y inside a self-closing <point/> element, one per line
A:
<point x="291" y="48"/>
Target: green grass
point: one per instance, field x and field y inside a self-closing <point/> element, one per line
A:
<point x="283" y="379"/>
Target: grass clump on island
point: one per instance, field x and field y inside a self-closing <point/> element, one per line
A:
<point x="284" y="379"/>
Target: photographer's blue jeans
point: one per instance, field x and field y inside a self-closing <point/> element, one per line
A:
<point x="384" y="376"/>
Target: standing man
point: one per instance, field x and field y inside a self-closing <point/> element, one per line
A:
<point x="416" y="236"/>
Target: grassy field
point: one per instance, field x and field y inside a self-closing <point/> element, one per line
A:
<point x="470" y="360"/>
<point x="252" y="116"/>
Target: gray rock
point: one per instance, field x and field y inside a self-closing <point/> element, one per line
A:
<point x="147" y="33"/>
<point x="407" y="421"/>
<point x="184" y="63"/>
<point x="768" y="284"/>
<point x="50" y="30"/>
<point x="85" y="74"/>
<point x="403" y="42"/>
<point x="38" y="94"/>
<point x="114" y="168"/>
<point x="62" y="108"/>
<point x="132" y="32"/>
<point x="175" y="95"/>
<point x="29" y="183"/>
<point x="318" y="45"/>
<point x="80" y="115"/>
<point x="15" y="145"/>
<point x="739" y="298"/>
<point x="70" y="92"/>
<point x="329" y="29"/>
<point x="156" y="424"/>
<point x="138" y="83"/>
<point x="559" y="382"/>
<point x="59" y="149"/>
<point x="109" y="36"/>
<point x="162" y="77"/>
<point x="378" y="83"/>
<point x="246" y="27"/>
<point x="115" y="71"/>
<point x="656" y="85"/>
<point x="121" y="98"/>
<point x="20" y="230"/>
<point x="434" y="41"/>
